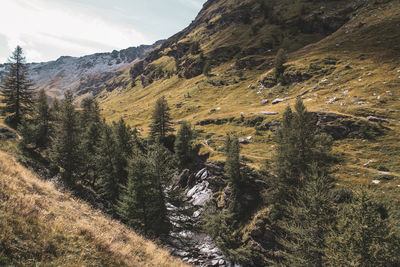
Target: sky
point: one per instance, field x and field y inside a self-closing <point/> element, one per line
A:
<point x="48" y="29"/>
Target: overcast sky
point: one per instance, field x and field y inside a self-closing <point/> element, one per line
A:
<point x="48" y="29"/>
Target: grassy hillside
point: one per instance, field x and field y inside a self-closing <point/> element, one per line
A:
<point x="344" y="51"/>
<point x="41" y="226"/>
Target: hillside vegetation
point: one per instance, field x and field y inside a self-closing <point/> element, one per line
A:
<point x="343" y="59"/>
<point x="41" y="226"/>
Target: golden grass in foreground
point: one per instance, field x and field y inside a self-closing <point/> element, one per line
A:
<point x="40" y="226"/>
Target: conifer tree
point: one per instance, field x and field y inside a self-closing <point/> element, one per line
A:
<point x="91" y="126"/>
<point x="232" y="163"/>
<point x="280" y="59"/>
<point x="116" y="146"/>
<point x="300" y="147"/>
<point x="162" y="169"/>
<point x="142" y="201"/>
<point x="161" y="120"/>
<point x="16" y="89"/>
<point x="65" y="150"/>
<point x="134" y="207"/>
<point x="106" y="166"/>
<point x="37" y="130"/>
<point x="184" y="146"/>
<point x="124" y="144"/>
<point x="43" y="120"/>
<point x="90" y="112"/>
<point x="365" y="235"/>
<point x="311" y="217"/>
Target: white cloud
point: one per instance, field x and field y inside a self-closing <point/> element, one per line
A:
<point x="36" y="24"/>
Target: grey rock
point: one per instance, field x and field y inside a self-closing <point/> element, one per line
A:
<point x="376" y="119"/>
<point x="264" y="101"/>
<point x="267" y="113"/>
<point x="278" y="100"/>
<point x="332" y="100"/>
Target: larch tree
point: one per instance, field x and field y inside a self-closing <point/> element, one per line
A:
<point x="16" y="89"/>
<point x="161" y="121"/>
<point x="66" y="144"/>
<point x="184" y="146"/>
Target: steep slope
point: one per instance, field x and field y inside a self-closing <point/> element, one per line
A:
<point x="41" y="226"/>
<point x="343" y="60"/>
<point x="87" y="74"/>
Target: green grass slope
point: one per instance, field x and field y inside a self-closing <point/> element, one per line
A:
<point x="344" y="51"/>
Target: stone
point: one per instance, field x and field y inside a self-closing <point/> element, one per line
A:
<point x="367" y="163"/>
<point x="243" y="141"/>
<point x="376" y="119"/>
<point x="376" y="181"/>
<point x="264" y="101"/>
<point x="278" y="100"/>
<point x="196" y="214"/>
<point x="249" y="138"/>
<point x="214" y="262"/>
<point x="332" y="100"/>
<point x="204" y="175"/>
<point x="267" y="113"/>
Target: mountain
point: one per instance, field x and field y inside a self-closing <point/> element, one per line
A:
<point x="41" y="225"/>
<point x="342" y="59"/>
<point x="87" y="74"/>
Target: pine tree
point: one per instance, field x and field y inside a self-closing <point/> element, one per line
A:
<point x="300" y="147"/>
<point x="106" y="166"/>
<point x="90" y="112"/>
<point x="43" y="120"/>
<point x="310" y="218"/>
<point x="115" y="148"/>
<point x="91" y="126"/>
<point x="16" y="89"/>
<point x="161" y="121"/>
<point x="280" y="59"/>
<point x="37" y="130"/>
<point x="232" y="163"/>
<point x="65" y="150"/>
<point x="142" y="202"/>
<point x="184" y="146"/>
<point x="134" y="207"/>
<point x="365" y="235"/>
<point x="162" y="169"/>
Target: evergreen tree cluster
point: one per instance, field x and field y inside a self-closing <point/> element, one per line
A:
<point x="129" y="173"/>
<point x="310" y="221"/>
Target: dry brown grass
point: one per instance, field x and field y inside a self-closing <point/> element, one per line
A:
<point x="40" y="225"/>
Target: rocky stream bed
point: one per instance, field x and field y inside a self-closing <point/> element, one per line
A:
<point x="186" y="239"/>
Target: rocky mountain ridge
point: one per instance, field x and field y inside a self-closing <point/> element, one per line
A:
<point x="86" y="74"/>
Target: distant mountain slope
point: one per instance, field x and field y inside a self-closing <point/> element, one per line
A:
<point x="69" y="73"/>
<point x="343" y="60"/>
<point x="41" y="226"/>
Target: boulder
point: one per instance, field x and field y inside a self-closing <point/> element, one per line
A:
<point x="264" y="101"/>
<point x="332" y="100"/>
<point x="267" y="113"/>
<point x="376" y="119"/>
<point x="278" y="100"/>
